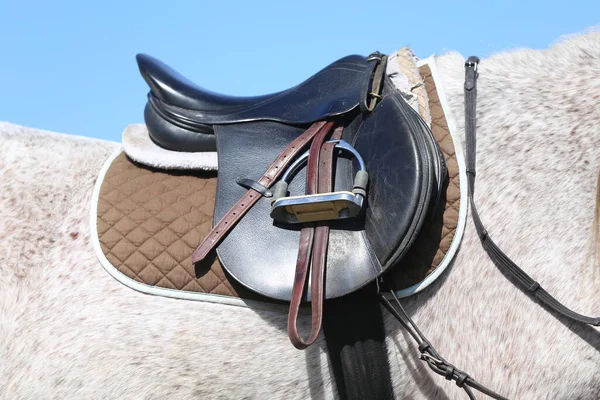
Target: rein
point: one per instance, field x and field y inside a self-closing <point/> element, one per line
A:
<point x="502" y="261"/>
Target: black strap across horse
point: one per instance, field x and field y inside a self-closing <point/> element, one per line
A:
<point x="502" y="261"/>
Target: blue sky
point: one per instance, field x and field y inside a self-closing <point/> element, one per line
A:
<point x="69" y="66"/>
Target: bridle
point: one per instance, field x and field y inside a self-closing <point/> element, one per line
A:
<point x="502" y="261"/>
<point x="508" y="267"/>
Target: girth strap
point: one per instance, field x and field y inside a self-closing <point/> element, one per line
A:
<point x="275" y="170"/>
<point x="355" y="335"/>
<point x="502" y="261"/>
<point x="314" y="240"/>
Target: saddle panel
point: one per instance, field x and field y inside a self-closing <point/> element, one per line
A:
<point x="404" y="165"/>
<point x="174" y="137"/>
<point x="181" y="115"/>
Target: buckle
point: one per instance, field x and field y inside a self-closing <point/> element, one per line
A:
<point x="472" y="62"/>
<point x="375" y="56"/>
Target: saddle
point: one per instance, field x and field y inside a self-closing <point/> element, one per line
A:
<point x="362" y="174"/>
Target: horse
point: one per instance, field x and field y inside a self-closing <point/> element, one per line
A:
<point x="69" y="330"/>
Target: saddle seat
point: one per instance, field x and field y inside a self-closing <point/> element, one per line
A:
<point x="181" y="116"/>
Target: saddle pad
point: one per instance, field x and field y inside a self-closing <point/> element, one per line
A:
<point x="139" y="147"/>
<point x="147" y="222"/>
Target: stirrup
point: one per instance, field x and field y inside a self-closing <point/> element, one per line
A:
<point x="321" y="206"/>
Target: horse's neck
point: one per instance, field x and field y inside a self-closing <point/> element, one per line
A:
<point x="537" y="157"/>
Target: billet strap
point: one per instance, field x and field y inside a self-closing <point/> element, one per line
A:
<point x="502" y="261"/>
<point x="313" y="243"/>
<point x="275" y="170"/>
<point x="371" y="92"/>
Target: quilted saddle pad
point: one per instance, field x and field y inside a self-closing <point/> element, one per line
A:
<point x="146" y="221"/>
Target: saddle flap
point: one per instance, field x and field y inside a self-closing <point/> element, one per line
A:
<point x="399" y="153"/>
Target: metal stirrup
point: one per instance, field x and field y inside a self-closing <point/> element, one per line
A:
<point x="321" y="206"/>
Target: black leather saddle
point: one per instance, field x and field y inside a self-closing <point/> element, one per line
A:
<point x="405" y="166"/>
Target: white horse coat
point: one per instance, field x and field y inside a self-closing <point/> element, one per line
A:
<point x="69" y="330"/>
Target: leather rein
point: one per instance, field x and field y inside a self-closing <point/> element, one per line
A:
<point x="502" y="261"/>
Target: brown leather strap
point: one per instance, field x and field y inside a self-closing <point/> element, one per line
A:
<point x="307" y="235"/>
<point x="319" y="180"/>
<point x="374" y="95"/>
<point x="229" y="220"/>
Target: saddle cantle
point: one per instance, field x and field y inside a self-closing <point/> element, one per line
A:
<point x="405" y="166"/>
